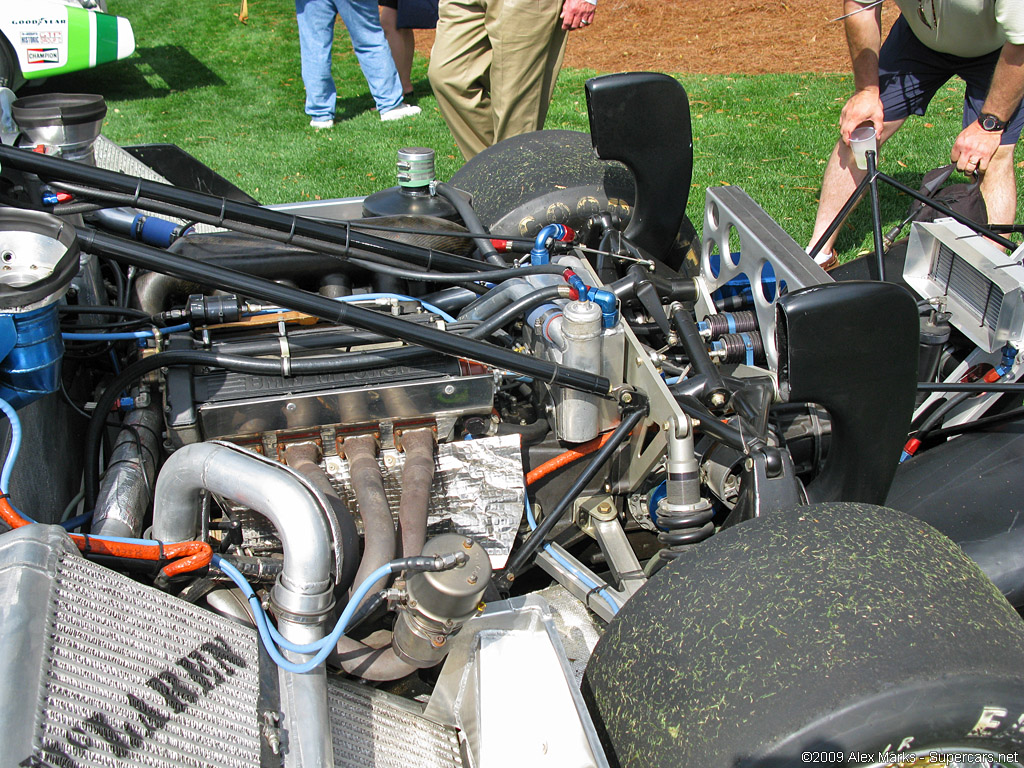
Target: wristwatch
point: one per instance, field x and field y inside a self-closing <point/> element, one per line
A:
<point x="991" y="123"/>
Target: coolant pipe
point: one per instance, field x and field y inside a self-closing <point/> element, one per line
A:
<point x="146" y="257"/>
<point x="151" y="230"/>
<point x="497" y="299"/>
<point x="462" y="204"/>
<point x="127" y="486"/>
<point x="302" y="597"/>
<point x="512" y="311"/>
<point x="540" y="254"/>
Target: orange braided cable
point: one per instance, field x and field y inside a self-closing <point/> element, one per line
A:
<point x="564" y="459"/>
<point x="194" y="554"/>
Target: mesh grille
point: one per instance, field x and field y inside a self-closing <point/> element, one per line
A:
<point x="137" y="678"/>
<point x="372" y="729"/>
<point x="956" y="277"/>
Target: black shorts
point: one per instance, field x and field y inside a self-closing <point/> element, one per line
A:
<point x="388" y="3"/>
<point x="910" y="73"/>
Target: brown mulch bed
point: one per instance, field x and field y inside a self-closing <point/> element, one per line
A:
<point x="697" y="36"/>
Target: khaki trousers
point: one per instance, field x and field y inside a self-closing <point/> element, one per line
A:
<point x="493" y="67"/>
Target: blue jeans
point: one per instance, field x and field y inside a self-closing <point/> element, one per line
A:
<point x="316" y="35"/>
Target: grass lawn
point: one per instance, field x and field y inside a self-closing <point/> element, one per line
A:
<point x="231" y="94"/>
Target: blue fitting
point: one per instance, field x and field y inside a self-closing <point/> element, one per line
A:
<point x="575" y="281"/>
<point x="125" y="403"/>
<point x="606" y="300"/>
<point x="608" y="303"/>
<point x="158" y="232"/>
<point x="540" y="255"/>
<point x="1009" y="355"/>
<point x="659" y="493"/>
<point x="31" y="367"/>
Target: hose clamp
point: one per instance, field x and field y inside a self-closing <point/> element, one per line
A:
<point x="286" y="350"/>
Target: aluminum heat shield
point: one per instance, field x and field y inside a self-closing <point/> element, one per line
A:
<point x="477" y="490"/>
<point x="98" y="670"/>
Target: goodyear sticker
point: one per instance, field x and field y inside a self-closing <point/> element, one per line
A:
<point x="50" y="38"/>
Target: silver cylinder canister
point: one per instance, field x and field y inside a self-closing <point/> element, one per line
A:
<point x="438" y="603"/>
<point x="576" y="414"/>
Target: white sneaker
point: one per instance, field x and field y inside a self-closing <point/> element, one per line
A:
<point x="321" y="122"/>
<point x="400" y="112"/>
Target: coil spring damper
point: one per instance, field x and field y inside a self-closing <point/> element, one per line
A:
<point x="683" y="515"/>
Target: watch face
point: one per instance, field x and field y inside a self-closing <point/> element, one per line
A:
<point x="992" y="123"/>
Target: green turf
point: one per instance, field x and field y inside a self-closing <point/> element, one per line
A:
<point x="231" y="94"/>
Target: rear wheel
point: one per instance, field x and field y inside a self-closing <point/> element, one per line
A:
<point x="834" y="634"/>
<point x="9" y="69"/>
<point x="552" y="177"/>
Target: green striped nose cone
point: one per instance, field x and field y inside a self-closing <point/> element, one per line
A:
<point x="91" y="39"/>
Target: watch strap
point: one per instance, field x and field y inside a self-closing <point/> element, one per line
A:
<point x="991" y="123"/>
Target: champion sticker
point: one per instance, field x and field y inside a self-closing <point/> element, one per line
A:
<point x="43" y="56"/>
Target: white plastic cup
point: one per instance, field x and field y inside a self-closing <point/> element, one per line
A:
<point x="863" y="140"/>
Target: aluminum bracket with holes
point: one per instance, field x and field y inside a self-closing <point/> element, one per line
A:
<point x="772" y="261"/>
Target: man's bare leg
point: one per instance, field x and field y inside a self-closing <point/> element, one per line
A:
<point x="402" y="43"/>
<point x="840" y="180"/>
<point x="999" y="187"/>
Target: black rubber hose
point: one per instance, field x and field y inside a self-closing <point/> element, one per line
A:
<point x="539" y="536"/>
<point x="438" y="259"/>
<point x="494" y="276"/>
<point x="102" y="309"/>
<point x="264" y="367"/>
<point x="936" y="416"/>
<point x="451" y="300"/>
<point x="338" y="313"/>
<point x="460" y="200"/>
<point x="328" y="340"/>
<point x="517" y="309"/>
<point x="977" y="388"/>
<point x="980" y="423"/>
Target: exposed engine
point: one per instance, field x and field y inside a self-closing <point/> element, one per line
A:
<point x="379" y="442"/>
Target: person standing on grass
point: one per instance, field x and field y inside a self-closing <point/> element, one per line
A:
<point x="494" y="64"/>
<point x="982" y="41"/>
<point x="316" y="37"/>
<point x="399" y="32"/>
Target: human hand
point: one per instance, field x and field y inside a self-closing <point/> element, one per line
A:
<point x="974" y="148"/>
<point x="863" y="107"/>
<point x="577" y="14"/>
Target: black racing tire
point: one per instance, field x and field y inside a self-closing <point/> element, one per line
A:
<point x="825" y="635"/>
<point x="9" y="69"/>
<point x="552" y="177"/>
